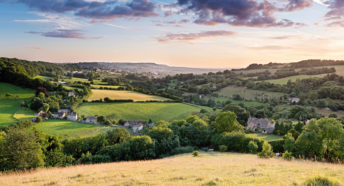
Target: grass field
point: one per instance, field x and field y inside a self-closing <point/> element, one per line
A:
<point x="283" y="81"/>
<point x="140" y="111"/>
<point x="247" y="93"/>
<point x="69" y="129"/>
<point x="45" y="78"/>
<point x="121" y="95"/>
<point x="104" y="86"/>
<point x="10" y="109"/>
<point x="267" y="137"/>
<point x="207" y="169"/>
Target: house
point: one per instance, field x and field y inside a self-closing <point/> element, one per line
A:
<point x="136" y="126"/>
<point x="72" y="117"/>
<point x="43" y="115"/>
<point x="150" y="125"/>
<point x="262" y="125"/>
<point x="59" y="115"/>
<point x="91" y="120"/>
<point x="294" y="100"/>
<point x="71" y="94"/>
<point x="66" y="111"/>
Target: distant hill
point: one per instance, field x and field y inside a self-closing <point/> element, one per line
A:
<point x="147" y="68"/>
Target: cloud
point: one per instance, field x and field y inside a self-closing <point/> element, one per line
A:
<point x="194" y="36"/>
<point x="108" y="9"/>
<point x="335" y="16"/>
<point x="62" y="33"/>
<point x="269" y="47"/>
<point x="252" y="13"/>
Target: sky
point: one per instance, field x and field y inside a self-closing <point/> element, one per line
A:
<point x="190" y="33"/>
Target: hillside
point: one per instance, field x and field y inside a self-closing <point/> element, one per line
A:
<point x="208" y="169"/>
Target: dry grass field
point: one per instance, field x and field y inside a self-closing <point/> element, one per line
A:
<point x="121" y="95"/>
<point x="208" y="169"/>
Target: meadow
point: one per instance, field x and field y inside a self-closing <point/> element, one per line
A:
<point x="123" y="95"/>
<point x="69" y="129"/>
<point x="207" y="169"/>
<point x="246" y="93"/>
<point x="10" y="98"/>
<point x="140" y="111"/>
<point x="284" y="81"/>
<point x="267" y="137"/>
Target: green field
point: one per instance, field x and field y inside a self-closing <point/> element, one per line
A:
<point x="248" y="94"/>
<point x="45" y="78"/>
<point x="209" y="169"/>
<point x="283" y="81"/>
<point x="104" y="86"/>
<point x="10" y="110"/>
<point x="267" y="137"/>
<point x="69" y="129"/>
<point x="123" y="95"/>
<point x="140" y="111"/>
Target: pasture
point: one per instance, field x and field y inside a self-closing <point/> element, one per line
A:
<point x="246" y="93"/>
<point x="69" y="129"/>
<point x="123" y="95"/>
<point x="207" y="169"/>
<point x="10" y="98"/>
<point x="267" y="137"/>
<point x="140" y="111"/>
<point x="284" y="81"/>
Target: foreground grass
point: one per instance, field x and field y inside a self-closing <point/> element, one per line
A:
<point x="140" y="111"/>
<point x="208" y="169"/>
<point x="69" y="129"/>
<point x="122" y="95"/>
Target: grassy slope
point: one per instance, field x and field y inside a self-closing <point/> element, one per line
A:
<point x="118" y="94"/>
<point x="9" y="106"/>
<point x="293" y="78"/>
<point x="69" y="129"/>
<point x="246" y="93"/>
<point x="140" y="111"/>
<point x="267" y="137"/>
<point x="220" y="168"/>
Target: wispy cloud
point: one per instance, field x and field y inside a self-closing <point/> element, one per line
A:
<point x="194" y="36"/>
<point x="62" y="33"/>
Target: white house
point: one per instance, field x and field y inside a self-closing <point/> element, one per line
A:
<point x="91" y="120"/>
<point x="72" y="117"/>
<point x="262" y="125"/>
<point x="294" y="100"/>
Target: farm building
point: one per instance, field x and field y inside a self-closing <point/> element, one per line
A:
<point x="66" y="111"/>
<point x="260" y="125"/>
<point x="71" y="94"/>
<point x="72" y="117"/>
<point x="91" y="120"/>
<point x="59" y="115"/>
<point x="42" y="114"/>
<point x="136" y="126"/>
<point x="294" y="100"/>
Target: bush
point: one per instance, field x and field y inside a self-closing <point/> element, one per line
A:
<point x="266" y="151"/>
<point x="223" y="148"/>
<point x="252" y="147"/>
<point x="195" y="153"/>
<point x="277" y="145"/>
<point x="287" y="155"/>
<point x="183" y="150"/>
<point x="320" y="181"/>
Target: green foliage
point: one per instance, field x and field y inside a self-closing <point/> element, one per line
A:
<point x="20" y="151"/>
<point x="252" y="147"/>
<point x="183" y="150"/>
<point x="323" y="138"/>
<point x="266" y="151"/>
<point x="287" y="155"/>
<point x="226" y="122"/>
<point x="242" y="114"/>
<point x="195" y="153"/>
<point x="223" y="148"/>
<point x="117" y="135"/>
<point x="164" y="138"/>
<point x="320" y="181"/>
<point x="289" y="143"/>
<point x="141" y="147"/>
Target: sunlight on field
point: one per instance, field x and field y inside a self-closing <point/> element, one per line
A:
<point x="283" y="81"/>
<point x="247" y="93"/>
<point x="267" y="137"/>
<point x="121" y="95"/>
<point x="69" y="129"/>
<point x="140" y="111"/>
<point x="216" y="168"/>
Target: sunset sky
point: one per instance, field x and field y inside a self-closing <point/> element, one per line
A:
<point x="193" y="33"/>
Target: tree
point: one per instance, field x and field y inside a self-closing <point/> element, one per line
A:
<point x="141" y="148"/>
<point x="118" y="135"/>
<point x="289" y="143"/>
<point x="242" y="114"/>
<point x="165" y="140"/>
<point x="266" y="151"/>
<point x="226" y="122"/>
<point x="21" y="151"/>
<point x="252" y="147"/>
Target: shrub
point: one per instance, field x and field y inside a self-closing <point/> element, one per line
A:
<point x="252" y="147"/>
<point x="320" y="181"/>
<point x="266" y="151"/>
<point x="182" y="150"/>
<point x="223" y="148"/>
<point x="287" y="155"/>
<point x="195" y="153"/>
<point x="277" y="145"/>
